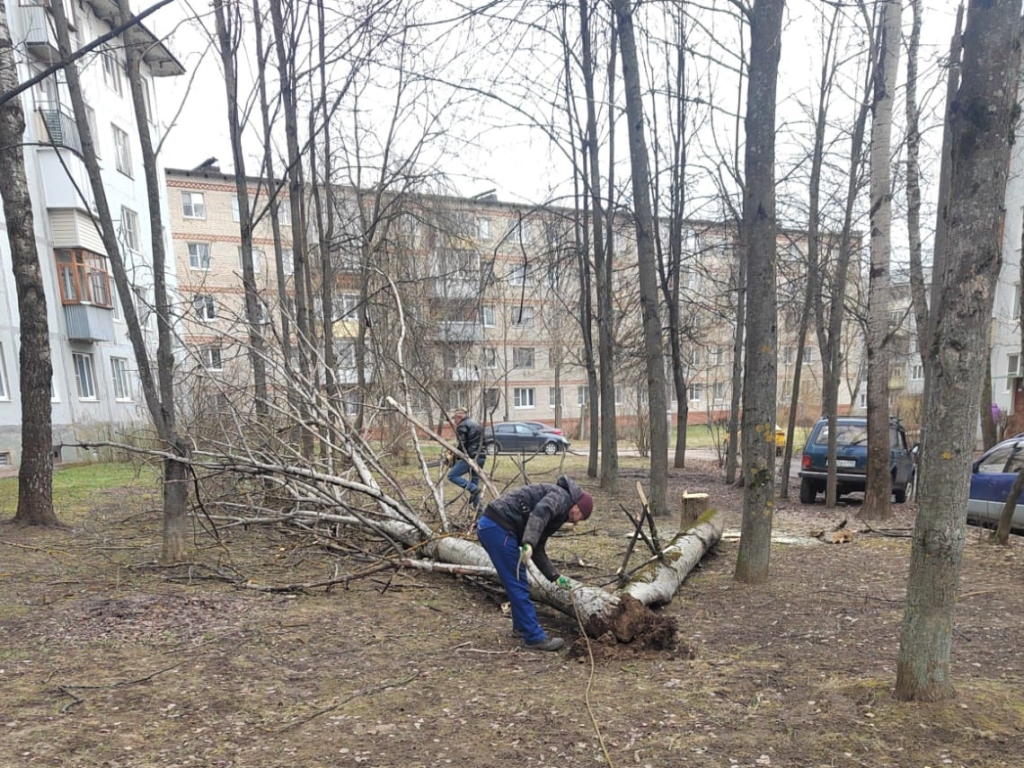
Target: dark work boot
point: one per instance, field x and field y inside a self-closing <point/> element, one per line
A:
<point x="547" y="644"/>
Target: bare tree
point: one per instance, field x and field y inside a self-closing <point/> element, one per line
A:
<point x="759" y="226"/>
<point x="878" y="488"/>
<point x="35" y="473"/>
<point x="646" y="257"/>
<point x="982" y="118"/>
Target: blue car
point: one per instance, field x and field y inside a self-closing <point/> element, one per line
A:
<point x="991" y="478"/>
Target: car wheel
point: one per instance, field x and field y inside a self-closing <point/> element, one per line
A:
<point x="550" y="449"/>
<point x="492" y="449"/>
<point x="807" y="491"/>
<point x="907" y="492"/>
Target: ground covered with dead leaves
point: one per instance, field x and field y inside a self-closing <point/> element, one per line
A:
<point x="107" y="659"/>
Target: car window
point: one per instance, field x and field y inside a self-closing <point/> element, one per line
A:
<point x="520" y="429"/>
<point x="1016" y="461"/>
<point x="897" y="439"/>
<point x="846" y="434"/>
<point x="996" y="461"/>
<point x="505" y="429"/>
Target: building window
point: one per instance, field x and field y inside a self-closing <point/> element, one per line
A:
<point x="719" y="355"/>
<point x="524" y="397"/>
<point x="1012" y="370"/>
<point x="554" y="396"/>
<point x="90" y="119"/>
<point x="287" y="260"/>
<point x="581" y="395"/>
<point x="522" y="357"/>
<point x="487" y="315"/>
<point x="719" y="390"/>
<point x="517" y="276"/>
<point x="192" y="205"/>
<point x="122" y="151"/>
<point x="788" y="354"/>
<point x="695" y="356"/>
<point x="84" y="380"/>
<point x="130" y="229"/>
<point x="198" y="255"/>
<point x="526" y="232"/>
<point x="211" y="357"/>
<point x="284" y="213"/>
<point x="522" y="317"/>
<point x="1015" y="309"/>
<point x="492" y="397"/>
<point x="119" y="373"/>
<point x="490" y="358"/>
<point x="457" y="398"/>
<point x="83" y="277"/>
<point x="696" y="393"/>
<point x="257" y="259"/>
<point x="346" y="355"/>
<point x="916" y="372"/>
<point x="112" y="72"/>
<point x="808" y="355"/>
<point x="346" y="306"/>
<point x="5" y="392"/>
<point x="205" y="306"/>
<point x="483" y="229"/>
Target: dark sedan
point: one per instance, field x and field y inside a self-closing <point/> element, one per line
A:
<point x="991" y="478"/>
<point x="517" y="437"/>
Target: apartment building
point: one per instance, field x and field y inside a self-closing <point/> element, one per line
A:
<point x="95" y="390"/>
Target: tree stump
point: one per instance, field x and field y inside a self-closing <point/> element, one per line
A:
<point x="694" y="505"/>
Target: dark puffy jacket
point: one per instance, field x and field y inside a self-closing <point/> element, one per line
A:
<point x="471" y="437"/>
<point x="533" y="513"/>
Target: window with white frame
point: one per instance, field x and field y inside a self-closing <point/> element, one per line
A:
<point x="288" y="260"/>
<point x="618" y="394"/>
<point x="696" y="393"/>
<point x="199" y="256"/>
<point x="346" y="354"/>
<point x="1012" y="370"/>
<point x="522" y="317"/>
<point x="808" y="354"/>
<point x="487" y="315"/>
<point x="205" y="306"/>
<point x="193" y="205"/>
<point x="346" y="306"/>
<point x="695" y="356"/>
<point x="517" y="275"/>
<point x="211" y="357"/>
<point x="917" y="372"/>
<point x="554" y="396"/>
<point x="719" y="391"/>
<point x="522" y="357"/>
<point x="112" y="72"/>
<point x="788" y="355"/>
<point x="490" y="360"/>
<point x="122" y="151"/>
<point x="719" y="355"/>
<point x="119" y="374"/>
<point x="862" y="396"/>
<point x="130" y="230"/>
<point x="526" y="232"/>
<point x="90" y="119"/>
<point x="257" y="259"/>
<point x="84" y="379"/>
<point x="457" y="398"/>
<point x="5" y="392"/>
<point x="581" y="394"/>
<point x="284" y="213"/>
<point x="1015" y="309"/>
<point x="524" y="397"/>
<point x="483" y="228"/>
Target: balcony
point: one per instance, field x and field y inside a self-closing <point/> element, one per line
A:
<point x="463" y="374"/>
<point x="465" y="287"/>
<point x="40" y="39"/>
<point x="88" y="322"/>
<point x="459" y="332"/>
<point x="60" y="126"/>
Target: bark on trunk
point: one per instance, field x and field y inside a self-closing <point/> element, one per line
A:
<point x="878" y="490"/>
<point x="759" y="380"/>
<point x="35" y="370"/>
<point x="982" y="122"/>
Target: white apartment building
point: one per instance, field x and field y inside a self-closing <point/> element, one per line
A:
<point x="95" y="389"/>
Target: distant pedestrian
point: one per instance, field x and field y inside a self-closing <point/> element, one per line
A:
<point x="470" y="437"/>
<point x="513" y="529"/>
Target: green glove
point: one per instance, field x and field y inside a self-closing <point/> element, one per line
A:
<point x="563" y="583"/>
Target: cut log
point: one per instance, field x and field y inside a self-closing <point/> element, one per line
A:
<point x="693" y="506"/>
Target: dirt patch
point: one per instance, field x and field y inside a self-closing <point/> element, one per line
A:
<point x="108" y="660"/>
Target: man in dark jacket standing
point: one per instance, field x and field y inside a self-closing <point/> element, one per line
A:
<point x="470" y="437"/>
<point x="514" y="528"/>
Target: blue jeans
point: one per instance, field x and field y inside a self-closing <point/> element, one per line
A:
<point x="503" y="549"/>
<point x="463" y="467"/>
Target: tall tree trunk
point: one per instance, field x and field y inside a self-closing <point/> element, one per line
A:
<point x="760" y="379"/>
<point x="983" y="121"/>
<point x="917" y="290"/>
<point x="647" y="258"/>
<point x="35" y="473"/>
<point x="878" y="489"/>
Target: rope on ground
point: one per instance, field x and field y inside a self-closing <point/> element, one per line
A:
<point x="590" y="681"/>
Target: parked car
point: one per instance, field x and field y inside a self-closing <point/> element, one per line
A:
<point x="517" y="437"/>
<point x="541" y="427"/>
<point x="852" y="459"/>
<point x="991" y="478"/>
<point x="780" y="440"/>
